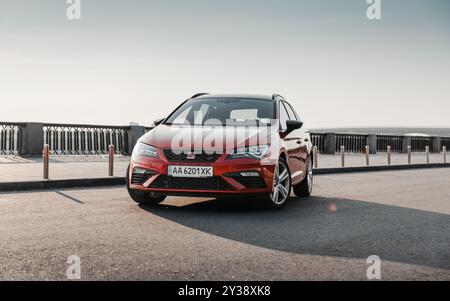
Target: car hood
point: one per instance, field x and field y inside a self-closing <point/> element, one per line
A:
<point x="211" y="137"/>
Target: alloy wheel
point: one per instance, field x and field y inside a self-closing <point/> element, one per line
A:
<point x="281" y="184"/>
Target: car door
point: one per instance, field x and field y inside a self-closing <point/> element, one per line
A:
<point x="293" y="144"/>
<point x="304" y="141"/>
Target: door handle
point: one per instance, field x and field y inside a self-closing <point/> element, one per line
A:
<point x="299" y="141"/>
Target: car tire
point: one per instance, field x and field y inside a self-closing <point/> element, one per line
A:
<point x="304" y="188"/>
<point x="286" y="186"/>
<point x="142" y="197"/>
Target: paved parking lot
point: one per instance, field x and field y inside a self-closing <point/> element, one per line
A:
<point x="17" y="169"/>
<point x="401" y="216"/>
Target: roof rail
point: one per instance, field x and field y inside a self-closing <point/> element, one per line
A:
<point x="274" y="96"/>
<point x="199" y="94"/>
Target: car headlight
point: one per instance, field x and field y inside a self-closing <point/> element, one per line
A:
<point x="254" y="152"/>
<point x="144" y="150"/>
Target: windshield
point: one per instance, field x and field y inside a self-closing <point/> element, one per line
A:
<point x="224" y="111"/>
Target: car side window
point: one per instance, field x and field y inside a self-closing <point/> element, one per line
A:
<point x="284" y="116"/>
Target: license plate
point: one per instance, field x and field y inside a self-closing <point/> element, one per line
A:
<point x="191" y="171"/>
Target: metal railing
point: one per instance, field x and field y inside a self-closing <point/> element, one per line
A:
<point x="418" y="144"/>
<point x="77" y="139"/>
<point x="353" y="143"/>
<point x="10" y="138"/>
<point x="81" y="139"/>
<point x="445" y="141"/>
<point x="395" y="142"/>
<point x="318" y="139"/>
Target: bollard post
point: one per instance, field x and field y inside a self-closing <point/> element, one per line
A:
<point x="367" y="155"/>
<point x="444" y="150"/>
<point x="342" y="156"/>
<point x="409" y="154"/>
<point x="389" y="154"/>
<point x="427" y="154"/>
<point x="111" y="160"/>
<point x="315" y="153"/>
<point x="46" y="155"/>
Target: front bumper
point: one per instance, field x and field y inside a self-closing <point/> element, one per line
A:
<point x="226" y="180"/>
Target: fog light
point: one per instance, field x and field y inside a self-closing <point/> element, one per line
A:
<point x="250" y="174"/>
<point x="141" y="171"/>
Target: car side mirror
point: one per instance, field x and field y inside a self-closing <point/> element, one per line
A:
<point x="158" y="121"/>
<point x="293" y="125"/>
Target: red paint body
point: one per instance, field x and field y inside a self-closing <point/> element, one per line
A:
<point x="294" y="147"/>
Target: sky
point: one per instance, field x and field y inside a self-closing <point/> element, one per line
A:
<point x="135" y="61"/>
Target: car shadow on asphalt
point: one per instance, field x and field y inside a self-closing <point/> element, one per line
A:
<point x="324" y="226"/>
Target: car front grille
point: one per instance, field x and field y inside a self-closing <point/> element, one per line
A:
<point x="172" y="156"/>
<point x="214" y="183"/>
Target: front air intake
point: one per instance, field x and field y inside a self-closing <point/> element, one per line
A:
<point x="140" y="176"/>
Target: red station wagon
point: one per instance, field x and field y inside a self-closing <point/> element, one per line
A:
<point x="224" y="145"/>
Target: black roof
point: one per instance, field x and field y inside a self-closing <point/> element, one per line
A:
<point x="252" y="96"/>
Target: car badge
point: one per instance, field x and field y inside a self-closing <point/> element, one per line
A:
<point x="190" y="156"/>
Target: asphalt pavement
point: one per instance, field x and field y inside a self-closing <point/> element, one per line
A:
<point x="403" y="217"/>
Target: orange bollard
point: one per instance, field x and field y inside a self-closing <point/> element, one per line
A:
<point x="315" y="153"/>
<point x="389" y="154"/>
<point x="46" y="154"/>
<point x="409" y="154"/>
<point x="111" y="160"/>
<point x="367" y="155"/>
